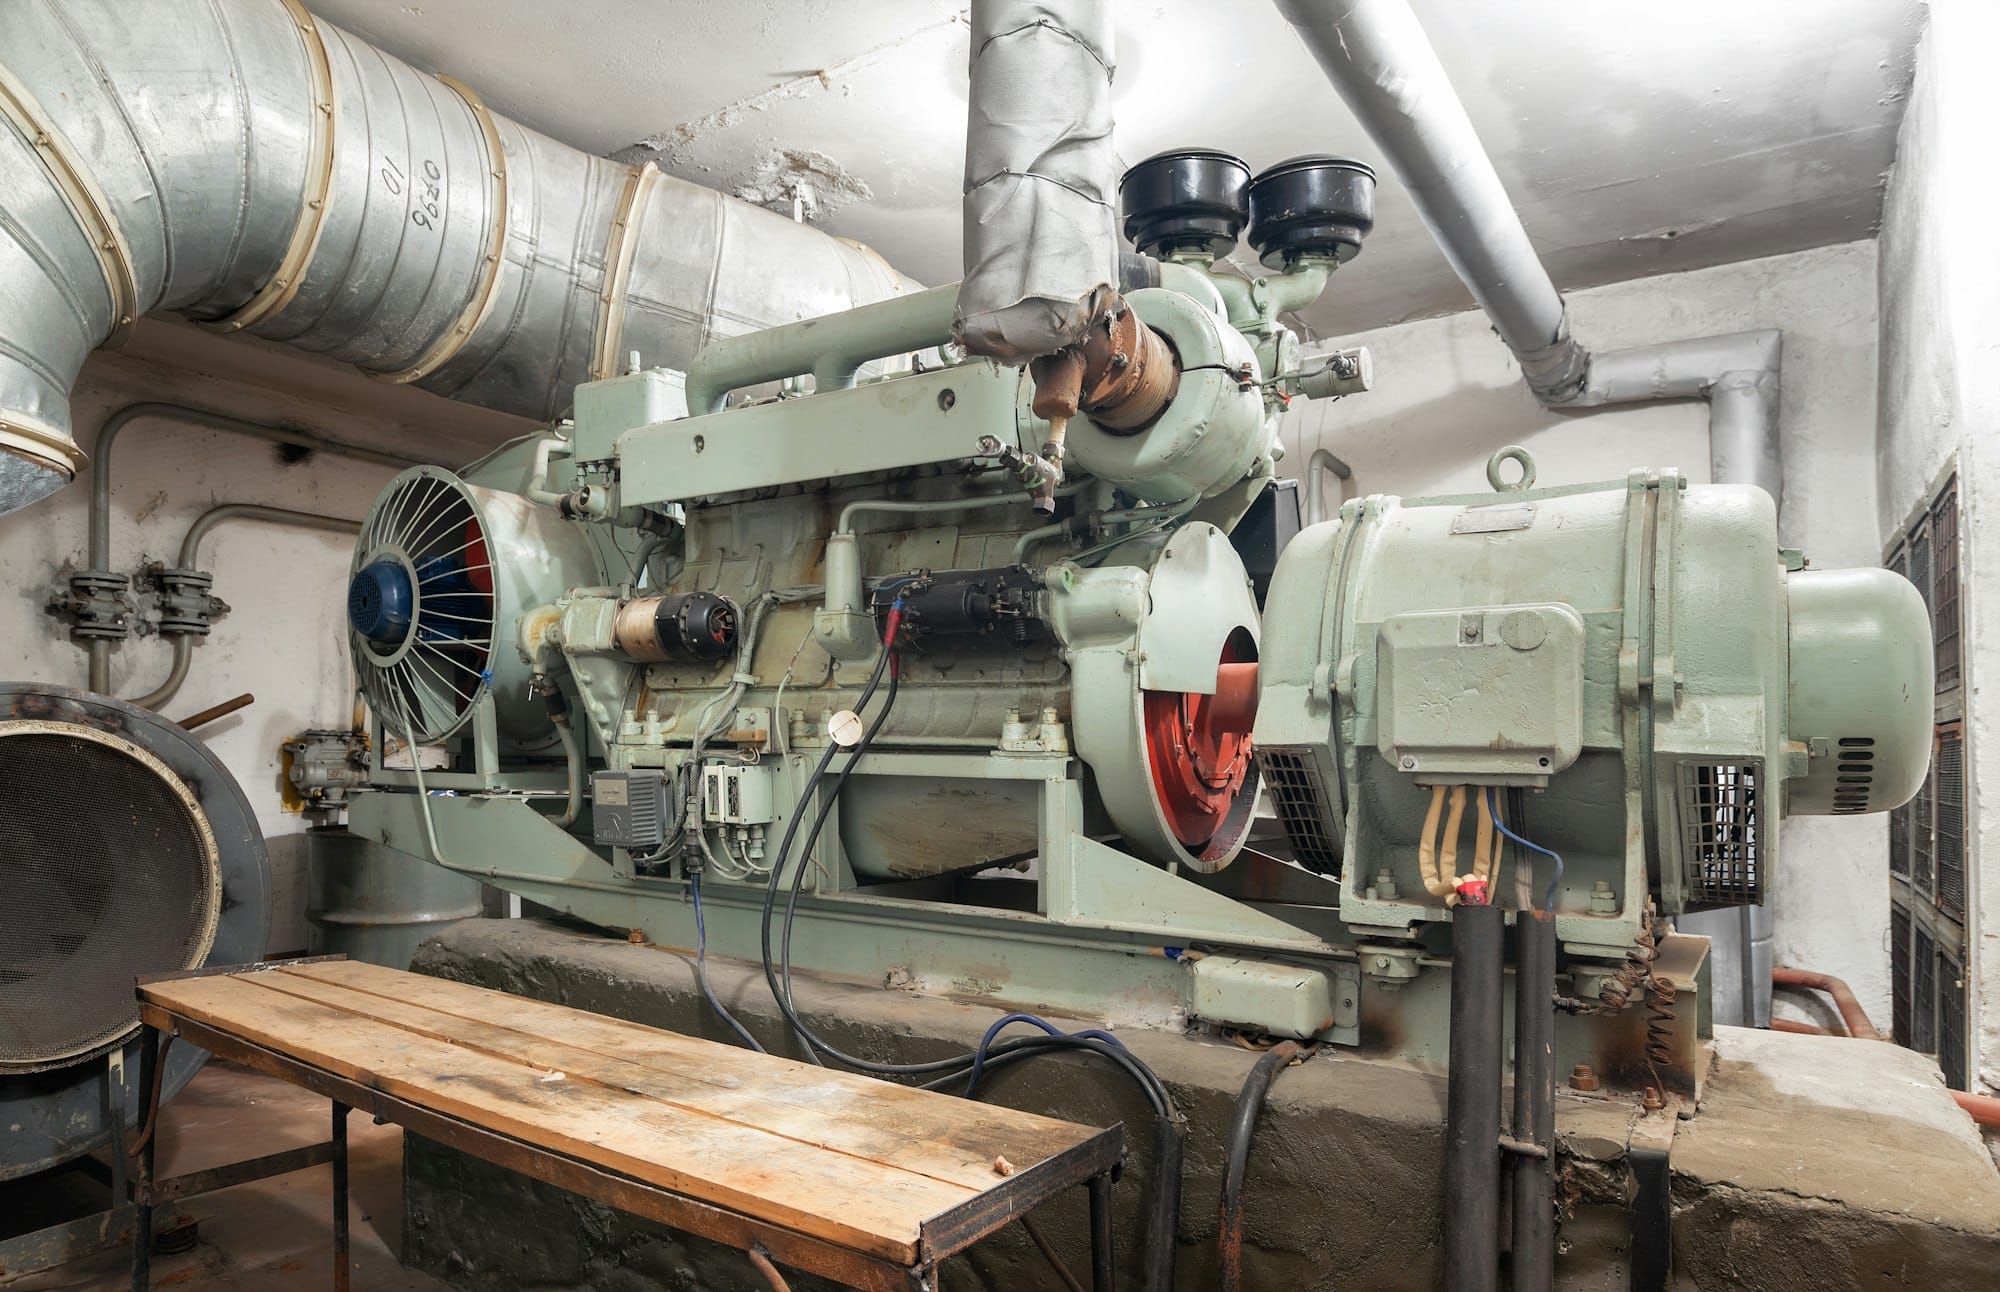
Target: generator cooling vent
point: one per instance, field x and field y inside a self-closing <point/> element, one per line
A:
<point x="113" y="872"/>
<point x="1720" y="843"/>
<point x="1305" y="808"/>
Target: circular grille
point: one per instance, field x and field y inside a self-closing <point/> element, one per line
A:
<point x="421" y="606"/>
<point x="112" y="872"/>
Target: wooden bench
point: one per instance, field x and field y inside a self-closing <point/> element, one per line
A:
<point x="865" y="1182"/>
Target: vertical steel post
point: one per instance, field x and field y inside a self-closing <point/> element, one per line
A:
<point x="1534" y="1259"/>
<point x="1472" y="1130"/>
<point x="1103" y="1276"/>
<point x="341" y="1262"/>
<point x="142" y="1174"/>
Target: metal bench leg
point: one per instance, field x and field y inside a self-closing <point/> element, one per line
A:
<point x="1102" y="1277"/>
<point x="150" y="1057"/>
<point x="341" y="1262"/>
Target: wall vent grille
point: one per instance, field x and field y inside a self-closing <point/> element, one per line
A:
<point x="1720" y="847"/>
<point x="1951" y="1023"/>
<point x="1899" y="974"/>
<point x="1944" y="586"/>
<point x="1304" y="807"/>
<point x="1948" y="777"/>
<point x="1923" y="993"/>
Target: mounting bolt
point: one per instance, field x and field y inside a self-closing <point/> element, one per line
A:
<point x="1602" y="900"/>
<point x="1409" y="762"/>
<point x="1583" y="1077"/>
<point x="1385" y="885"/>
<point x="637" y="937"/>
<point x="1654" y="1101"/>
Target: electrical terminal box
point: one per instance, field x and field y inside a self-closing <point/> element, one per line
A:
<point x="737" y="794"/>
<point x="629" y="808"/>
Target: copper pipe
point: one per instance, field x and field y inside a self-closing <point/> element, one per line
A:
<point x="769" y="1271"/>
<point x="1983" y="1109"/>
<point x="213" y="712"/>
<point x="1843" y="996"/>
<point x="1803" y="1029"/>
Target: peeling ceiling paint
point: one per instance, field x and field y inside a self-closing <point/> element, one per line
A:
<point x="1635" y="138"/>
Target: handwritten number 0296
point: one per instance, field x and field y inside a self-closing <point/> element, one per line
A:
<point x="429" y="204"/>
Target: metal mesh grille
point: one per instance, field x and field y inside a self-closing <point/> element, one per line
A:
<point x="1951" y="1023"/>
<point x="1948" y="777"/>
<point x="1899" y="840"/>
<point x="1899" y="974"/>
<point x="1944" y="586"/>
<point x="109" y="875"/>
<point x="1719" y="840"/>
<point x="1923" y="879"/>
<point x="1923" y="994"/>
<point x="1293" y="781"/>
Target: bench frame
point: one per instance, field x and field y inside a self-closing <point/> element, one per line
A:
<point x="1092" y="1163"/>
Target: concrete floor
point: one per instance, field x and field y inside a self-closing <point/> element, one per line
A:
<point x="262" y="1237"/>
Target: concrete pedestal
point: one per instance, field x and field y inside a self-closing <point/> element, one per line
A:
<point x="1812" y="1162"/>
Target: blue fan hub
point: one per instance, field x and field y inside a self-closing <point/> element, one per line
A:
<point x="381" y="599"/>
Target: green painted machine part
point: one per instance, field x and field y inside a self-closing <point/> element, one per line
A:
<point x="685" y="588"/>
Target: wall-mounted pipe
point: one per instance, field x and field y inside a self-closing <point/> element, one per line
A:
<point x="260" y="170"/>
<point x="1381" y="63"/>
<point x="99" y="550"/>
<point x="177" y="674"/>
<point x="1040" y="230"/>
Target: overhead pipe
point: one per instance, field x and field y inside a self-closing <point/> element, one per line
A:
<point x="1322" y="462"/>
<point x="260" y="170"/>
<point x="1383" y="66"/>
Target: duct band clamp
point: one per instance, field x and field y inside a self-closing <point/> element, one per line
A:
<point x="618" y="253"/>
<point x="86" y="201"/>
<point x="481" y="303"/>
<point x="283" y="285"/>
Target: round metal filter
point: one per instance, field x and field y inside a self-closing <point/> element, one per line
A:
<point x="112" y="872"/>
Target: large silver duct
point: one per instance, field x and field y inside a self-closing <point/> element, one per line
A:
<point x="1041" y="236"/>
<point x="260" y="170"/>
<point x="1381" y="63"/>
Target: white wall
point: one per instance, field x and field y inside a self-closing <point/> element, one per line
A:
<point x="1447" y="394"/>
<point x="1940" y="398"/>
<point x="283" y="639"/>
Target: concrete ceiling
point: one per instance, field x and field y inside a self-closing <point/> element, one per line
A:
<point x="1636" y="137"/>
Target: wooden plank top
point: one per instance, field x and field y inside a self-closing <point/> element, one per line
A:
<point x="869" y="1165"/>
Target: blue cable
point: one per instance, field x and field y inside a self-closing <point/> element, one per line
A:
<point x="1493" y="804"/>
<point x="986" y="1042"/>
<point x="701" y="968"/>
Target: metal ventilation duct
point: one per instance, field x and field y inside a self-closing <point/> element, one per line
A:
<point x="128" y="850"/>
<point x="260" y="170"/>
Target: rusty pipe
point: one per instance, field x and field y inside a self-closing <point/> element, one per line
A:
<point x="1851" y="1013"/>
<point x="213" y="712"/>
<point x="772" y="1278"/>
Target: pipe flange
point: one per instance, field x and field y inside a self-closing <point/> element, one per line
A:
<point x="98" y="605"/>
<point x="187" y="608"/>
<point x="618" y="252"/>
<point x="284" y="284"/>
<point x="87" y="202"/>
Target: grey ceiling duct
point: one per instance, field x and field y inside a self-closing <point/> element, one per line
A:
<point x="260" y="170"/>
<point x="128" y="850"/>
<point x="1041" y="236"/>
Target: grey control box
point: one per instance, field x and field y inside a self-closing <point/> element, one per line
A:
<point x="629" y="809"/>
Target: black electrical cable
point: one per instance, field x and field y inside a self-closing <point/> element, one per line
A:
<point x="1236" y="1165"/>
<point x="701" y="968"/>
<point x="1163" y="1211"/>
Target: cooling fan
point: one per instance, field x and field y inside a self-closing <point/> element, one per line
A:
<point x="442" y="572"/>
